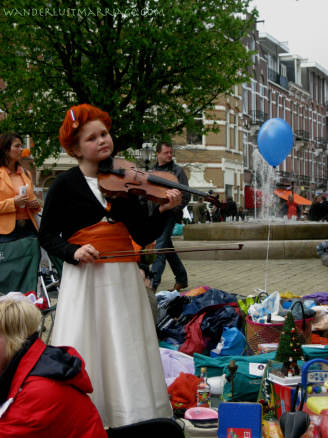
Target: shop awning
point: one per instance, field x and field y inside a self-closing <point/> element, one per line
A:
<point x="283" y="194"/>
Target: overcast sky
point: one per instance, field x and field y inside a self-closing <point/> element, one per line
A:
<point x="301" y="23"/>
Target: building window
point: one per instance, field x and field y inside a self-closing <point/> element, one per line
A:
<point x="292" y="115"/>
<point x="236" y="132"/>
<point x="194" y="135"/>
<point x="311" y="83"/>
<point x="283" y="69"/>
<point x="245" y="150"/>
<point x="252" y="47"/>
<point x="323" y="83"/>
<point x="272" y="64"/>
<point x="245" y="99"/>
<point x="253" y="100"/>
<point x="317" y="127"/>
<point x="262" y="94"/>
<point x="228" y="130"/>
<point x="270" y="103"/>
<point x="262" y="90"/>
<point x="228" y="191"/>
<point x="315" y="88"/>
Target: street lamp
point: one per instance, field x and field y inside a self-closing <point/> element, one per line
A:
<point x="147" y="152"/>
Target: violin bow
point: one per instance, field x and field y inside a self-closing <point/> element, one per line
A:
<point x="127" y="253"/>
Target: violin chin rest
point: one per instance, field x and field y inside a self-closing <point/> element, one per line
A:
<point x="105" y="166"/>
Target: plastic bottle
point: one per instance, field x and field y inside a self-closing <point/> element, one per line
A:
<point x="217" y="387"/>
<point x="203" y="390"/>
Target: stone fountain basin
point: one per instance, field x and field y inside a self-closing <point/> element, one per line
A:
<point x="293" y="240"/>
<point x="240" y="231"/>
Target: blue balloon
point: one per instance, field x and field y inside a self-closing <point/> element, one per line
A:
<point x="275" y="141"/>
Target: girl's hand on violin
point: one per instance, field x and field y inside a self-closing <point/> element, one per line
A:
<point x="86" y="254"/>
<point x="175" y="198"/>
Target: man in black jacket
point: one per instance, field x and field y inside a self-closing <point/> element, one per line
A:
<point x="165" y="163"/>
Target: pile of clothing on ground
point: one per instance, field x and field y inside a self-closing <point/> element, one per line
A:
<point x="207" y="327"/>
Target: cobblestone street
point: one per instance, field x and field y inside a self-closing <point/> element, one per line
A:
<point x="299" y="276"/>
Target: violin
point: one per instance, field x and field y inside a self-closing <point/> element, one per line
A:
<point x="120" y="177"/>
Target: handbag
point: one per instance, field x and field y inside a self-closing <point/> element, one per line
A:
<point x="260" y="333"/>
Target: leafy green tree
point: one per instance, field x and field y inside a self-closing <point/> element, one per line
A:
<point x="153" y="65"/>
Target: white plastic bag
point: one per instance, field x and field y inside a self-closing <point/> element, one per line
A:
<point x="270" y="305"/>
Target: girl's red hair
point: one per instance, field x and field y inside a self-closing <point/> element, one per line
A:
<point x="75" y="118"/>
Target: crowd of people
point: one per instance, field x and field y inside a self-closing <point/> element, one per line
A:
<point x="318" y="211"/>
<point x="203" y="213"/>
<point x="218" y="212"/>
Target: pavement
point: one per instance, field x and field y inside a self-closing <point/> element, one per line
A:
<point x="299" y="276"/>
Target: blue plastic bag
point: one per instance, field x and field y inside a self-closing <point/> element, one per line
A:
<point x="177" y="230"/>
<point x="234" y="343"/>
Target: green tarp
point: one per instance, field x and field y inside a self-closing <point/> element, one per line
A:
<point x="19" y="264"/>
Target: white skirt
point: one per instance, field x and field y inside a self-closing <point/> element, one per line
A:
<point x="103" y="311"/>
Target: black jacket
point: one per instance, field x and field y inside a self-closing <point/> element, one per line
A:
<point x="182" y="178"/>
<point x="71" y="205"/>
<point x="316" y="212"/>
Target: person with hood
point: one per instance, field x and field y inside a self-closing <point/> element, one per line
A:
<point x="43" y="389"/>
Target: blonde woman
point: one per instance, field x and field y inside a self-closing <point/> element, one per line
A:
<point x="43" y="389"/>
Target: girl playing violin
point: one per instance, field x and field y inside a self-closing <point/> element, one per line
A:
<point x="103" y="309"/>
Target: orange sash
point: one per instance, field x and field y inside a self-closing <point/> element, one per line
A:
<point x="106" y="238"/>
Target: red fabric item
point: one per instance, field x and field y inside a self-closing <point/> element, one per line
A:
<point x="108" y="239"/>
<point x="324" y="423"/>
<point x="46" y="408"/>
<point x="42" y="304"/>
<point x="194" y="342"/>
<point x="316" y="339"/>
<point x="249" y="198"/>
<point x="183" y="391"/>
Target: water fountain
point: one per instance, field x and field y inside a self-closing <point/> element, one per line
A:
<point x="266" y="235"/>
